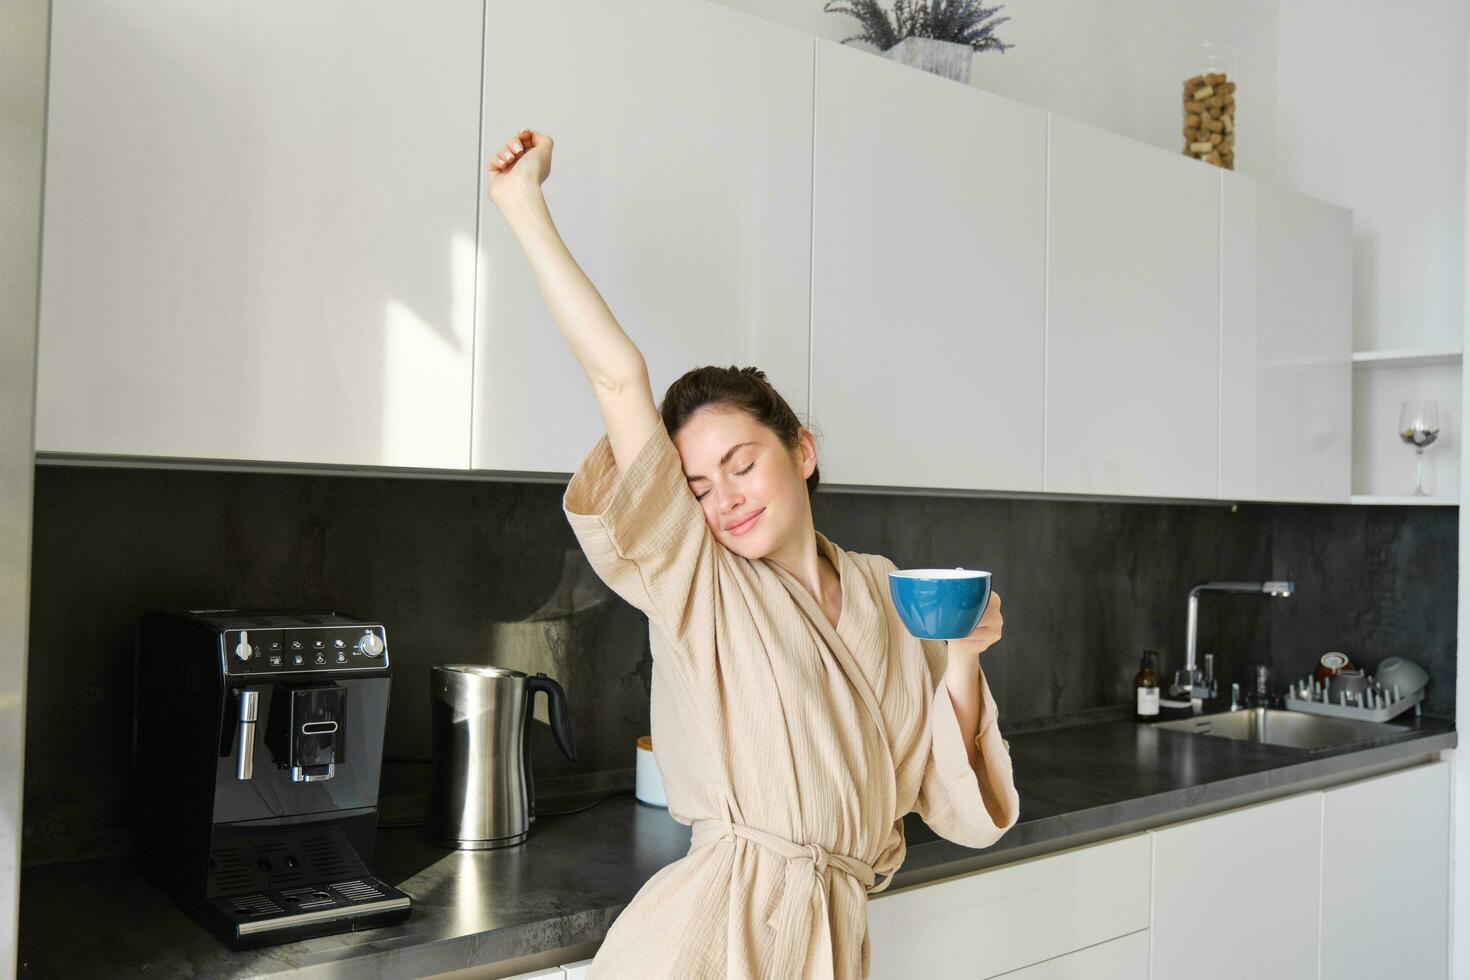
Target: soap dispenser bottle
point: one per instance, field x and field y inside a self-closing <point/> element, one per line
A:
<point x="1146" y="689"/>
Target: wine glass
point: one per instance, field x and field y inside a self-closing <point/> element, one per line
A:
<point x="1419" y="427"/>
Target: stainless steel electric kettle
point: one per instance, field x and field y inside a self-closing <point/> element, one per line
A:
<point x="482" y="793"/>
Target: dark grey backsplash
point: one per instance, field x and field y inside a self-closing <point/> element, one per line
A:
<point x="490" y="573"/>
<point x="1088" y="586"/>
<point x="1373" y="582"/>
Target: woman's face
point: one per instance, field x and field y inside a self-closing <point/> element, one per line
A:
<point x="738" y="468"/>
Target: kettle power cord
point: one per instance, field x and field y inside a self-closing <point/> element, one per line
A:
<point x="585" y="806"/>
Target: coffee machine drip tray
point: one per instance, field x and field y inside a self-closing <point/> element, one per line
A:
<point x="265" y="918"/>
<point x="274" y="885"/>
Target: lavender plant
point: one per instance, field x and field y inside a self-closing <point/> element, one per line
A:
<point x="959" y="21"/>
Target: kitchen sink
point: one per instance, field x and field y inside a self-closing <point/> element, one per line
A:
<point x="1276" y="726"/>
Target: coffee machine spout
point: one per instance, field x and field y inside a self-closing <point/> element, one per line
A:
<point x="305" y="730"/>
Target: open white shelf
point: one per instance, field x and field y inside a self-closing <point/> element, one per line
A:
<point x="1368" y="359"/>
<point x="1383" y="467"/>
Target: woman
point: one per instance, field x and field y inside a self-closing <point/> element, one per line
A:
<point x="795" y="720"/>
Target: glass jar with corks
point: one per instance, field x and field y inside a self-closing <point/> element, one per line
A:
<point x="1209" y="107"/>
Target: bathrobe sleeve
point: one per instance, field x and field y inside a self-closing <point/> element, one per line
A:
<point x="970" y="806"/>
<point x="645" y="534"/>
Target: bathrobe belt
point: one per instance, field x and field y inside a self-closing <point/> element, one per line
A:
<point x="804" y="895"/>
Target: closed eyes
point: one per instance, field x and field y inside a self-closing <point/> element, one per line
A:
<point x="701" y="496"/>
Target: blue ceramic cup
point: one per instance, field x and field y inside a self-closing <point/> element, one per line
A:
<point x="939" y="603"/>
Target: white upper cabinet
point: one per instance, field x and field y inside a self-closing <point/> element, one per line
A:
<point x="1132" y="367"/>
<point x="263" y="241"/>
<point x="928" y="278"/>
<point x="260" y="231"/>
<point x="680" y="181"/>
<point x="1286" y="345"/>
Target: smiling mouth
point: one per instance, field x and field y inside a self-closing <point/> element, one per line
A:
<point x="736" y="528"/>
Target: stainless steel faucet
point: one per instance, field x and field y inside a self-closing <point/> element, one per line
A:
<point x="1275" y="588"/>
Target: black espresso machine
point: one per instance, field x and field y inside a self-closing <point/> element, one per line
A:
<point x="258" y="739"/>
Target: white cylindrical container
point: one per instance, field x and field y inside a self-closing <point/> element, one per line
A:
<point x="648" y="786"/>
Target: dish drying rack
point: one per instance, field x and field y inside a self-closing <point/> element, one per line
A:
<point x="1375" y="703"/>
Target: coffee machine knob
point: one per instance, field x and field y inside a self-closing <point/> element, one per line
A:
<point x="370" y="645"/>
<point x="243" y="649"/>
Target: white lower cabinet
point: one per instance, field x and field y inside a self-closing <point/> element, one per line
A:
<point x="1351" y="883"/>
<point x="992" y="922"/>
<point x="1124" y="958"/>
<point x="1385" y="876"/>
<point x="579" y="970"/>
<point x="1237" y="894"/>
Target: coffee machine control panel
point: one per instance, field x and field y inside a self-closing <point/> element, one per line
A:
<point x="304" y="649"/>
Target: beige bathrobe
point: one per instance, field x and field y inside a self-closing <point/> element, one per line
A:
<point x="792" y="748"/>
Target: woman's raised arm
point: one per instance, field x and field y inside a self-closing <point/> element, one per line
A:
<point x="610" y="359"/>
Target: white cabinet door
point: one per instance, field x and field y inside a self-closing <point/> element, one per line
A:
<point x="929" y="217"/>
<point x="984" y="924"/>
<point x="1237" y="894"/>
<point x="1124" y="958"/>
<point x="1286" y="345"/>
<point x="1385" y="876"/>
<point x="1132" y="366"/>
<point x="260" y="231"/>
<point x="681" y="182"/>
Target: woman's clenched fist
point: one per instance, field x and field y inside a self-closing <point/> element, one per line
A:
<point x="521" y="165"/>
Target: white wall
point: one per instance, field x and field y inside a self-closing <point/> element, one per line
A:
<point x="1460" y="757"/>
<point x="1112" y="64"/>
<point x="1372" y="115"/>
<point x="24" y="29"/>
<point x="1356" y="103"/>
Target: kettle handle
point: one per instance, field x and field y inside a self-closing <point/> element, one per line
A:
<point x="556" y="710"/>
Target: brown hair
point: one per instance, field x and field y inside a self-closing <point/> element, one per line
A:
<point x="733" y="387"/>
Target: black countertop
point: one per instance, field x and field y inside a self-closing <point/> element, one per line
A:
<point x="568" y="882"/>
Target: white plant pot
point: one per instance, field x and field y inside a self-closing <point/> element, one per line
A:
<point x="947" y="58"/>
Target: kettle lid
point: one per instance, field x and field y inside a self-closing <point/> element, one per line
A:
<point x="481" y="670"/>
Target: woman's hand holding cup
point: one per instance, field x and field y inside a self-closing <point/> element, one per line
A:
<point x="985" y="634"/>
